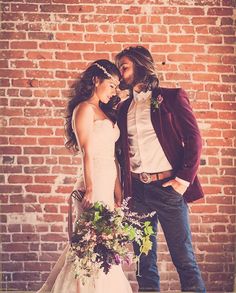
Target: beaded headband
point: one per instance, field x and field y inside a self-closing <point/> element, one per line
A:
<point x="107" y="73"/>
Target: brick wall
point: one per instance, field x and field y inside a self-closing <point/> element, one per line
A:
<point x="44" y="45"/>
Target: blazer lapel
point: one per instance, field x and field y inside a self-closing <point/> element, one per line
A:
<point x="156" y="117"/>
<point x="123" y="115"/>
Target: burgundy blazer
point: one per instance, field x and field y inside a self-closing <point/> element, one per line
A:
<point x="177" y="131"/>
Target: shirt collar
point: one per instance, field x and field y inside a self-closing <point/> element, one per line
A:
<point x="141" y="96"/>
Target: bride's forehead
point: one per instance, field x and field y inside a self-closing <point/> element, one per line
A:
<point x="113" y="80"/>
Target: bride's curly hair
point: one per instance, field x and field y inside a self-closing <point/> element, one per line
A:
<point x="82" y="89"/>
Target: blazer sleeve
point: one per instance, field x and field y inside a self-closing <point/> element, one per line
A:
<point x="190" y="134"/>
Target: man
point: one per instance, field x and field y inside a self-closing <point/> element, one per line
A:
<point x="161" y="146"/>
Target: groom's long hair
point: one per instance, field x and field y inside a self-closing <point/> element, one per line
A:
<point x="144" y="66"/>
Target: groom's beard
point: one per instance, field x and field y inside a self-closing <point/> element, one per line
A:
<point x="124" y="86"/>
<point x="134" y="80"/>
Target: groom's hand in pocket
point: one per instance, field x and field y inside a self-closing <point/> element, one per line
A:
<point x="176" y="185"/>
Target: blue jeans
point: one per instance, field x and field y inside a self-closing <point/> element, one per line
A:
<point x="172" y="213"/>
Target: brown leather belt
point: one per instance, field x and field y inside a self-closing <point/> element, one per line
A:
<point x="150" y="177"/>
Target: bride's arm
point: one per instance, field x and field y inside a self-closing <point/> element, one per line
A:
<point x="118" y="188"/>
<point x="84" y="118"/>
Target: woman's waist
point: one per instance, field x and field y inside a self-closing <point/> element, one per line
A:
<point x="104" y="158"/>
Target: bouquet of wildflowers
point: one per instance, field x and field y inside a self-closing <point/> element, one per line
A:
<point x="101" y="239"/>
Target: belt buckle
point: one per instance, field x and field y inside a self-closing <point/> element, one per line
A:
<point x="145" y="177"/>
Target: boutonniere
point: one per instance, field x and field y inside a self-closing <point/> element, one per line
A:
<point x="156" y="102"/>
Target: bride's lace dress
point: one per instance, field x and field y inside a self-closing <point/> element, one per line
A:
<point x="61" y="279"/>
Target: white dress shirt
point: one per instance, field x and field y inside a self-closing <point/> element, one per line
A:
<point x="145" y="150"/>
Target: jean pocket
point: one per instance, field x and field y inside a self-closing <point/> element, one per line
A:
<point x="172" y="191"/>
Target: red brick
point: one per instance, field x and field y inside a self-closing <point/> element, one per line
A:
<point x="220" y="11"/>
<point x="177" y="76"/>
<point x="24" y="7"/>
<point x="38" y="188"/>
<point x="51" y="199"/>
<point x="51" y="161"/>
<point x="22" y="141"/>
<point x="180" y="57"/>
<point x="52" y="8"/>
<point x="220" y="49"/>
<point x="191" y="11"/>
<point x="12" y="208"/>
<point x="32" y="208"/>
<point x="206" y="77"/>
<point x="50" y="209"/>
<point x="221" y="31"/>
<point x="12" y="267"/>
<point x="219" y="68"/>
<point x="36" y="266"/>
<point x="64" y="170"/>
<point x="26" y="276"/>
<point x="56" y="228"/>
<point x="229" y="40"/>
<point x="40" y="36"/>
<point x="52" y="45"/>
<point x="65" y="161"/>
<point x="209" y="39"/>
<point x="145" y="38"/>
<point x="13" y="35"/>
<point x="83" y="47"/>
<point x="53" y="218"/>
<point x="20" y="179"/>
<point x="39" y="131"/>
<point x="68" y="56"/>
<point x="204" y="209"/>
<point x="36" y="150"/>
<point x="192" y="48"/>
<point x="217" y="88"/>
<point x="11" y="168"/>
<point x="52" y="64"/>
<point x="49" y="256"/>
<point x="14" y="247"/>
<point x="51" y="141"/>
<point x="50" y="122"/>
<point x="63" y="189"/>
<point x="229" y="78"/>
<point x="175" y="19"/>
<point x="28" y="228"/>
<point x="48" y="246"/>
<point x="228" y="59"/>
<point x="99" y="38"/>
<point x="22" y="160"/>
<point x="45" y="179"/>
<point x="68" y="37"/>
<point x="52" y="83"/>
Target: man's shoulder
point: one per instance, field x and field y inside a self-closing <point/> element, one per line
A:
<point x="171" y="95"/>
<point x="171" y="91"/>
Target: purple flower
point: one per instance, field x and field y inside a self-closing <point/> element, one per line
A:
<point x="128" y="260"/>
<point x="117" y="259"/>
<point x="156" y="102"/>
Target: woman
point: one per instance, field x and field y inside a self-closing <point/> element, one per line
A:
<point x="90" y="130"/>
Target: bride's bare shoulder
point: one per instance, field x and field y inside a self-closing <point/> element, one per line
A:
<point x="84" y="109"/>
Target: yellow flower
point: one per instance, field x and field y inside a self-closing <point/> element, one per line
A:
<point x="146" y="246"/>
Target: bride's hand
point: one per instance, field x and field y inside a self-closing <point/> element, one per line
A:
<point x="118" y="200"/>
<point x="118" y="204"/>
<point x="87" y="200"/>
